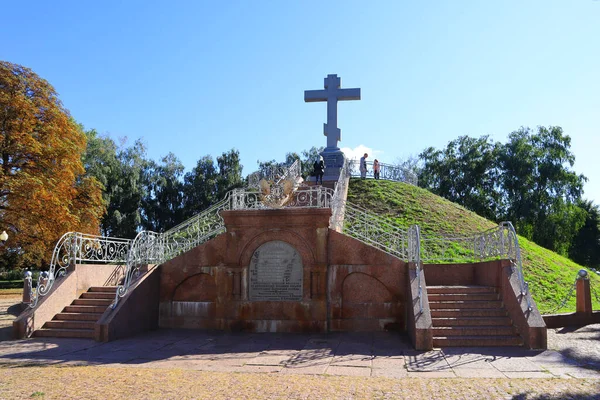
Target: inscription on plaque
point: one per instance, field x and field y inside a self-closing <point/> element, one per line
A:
<point x="276" y="273"/>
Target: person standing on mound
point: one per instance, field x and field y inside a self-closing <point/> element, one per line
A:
<point x="318" y="170"/>
<point x="363" y="166"/>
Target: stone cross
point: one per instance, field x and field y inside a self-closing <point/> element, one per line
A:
<point x="331" y="95"/>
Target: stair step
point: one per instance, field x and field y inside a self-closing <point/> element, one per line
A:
<point x="462" y="296"/>
<point x="111" y="289"/>
<point x="92" y="302"/>
<point x="98" y="295"/>
<point x="447" y="331"/>
<point x="477" y="341"/>
<point x="59" y="324"/>
<point x="468" y="312"/>
<point x="68" y="316"/>
<point x="84" y="309"/>
<point x="71" y="333"/>
<point x="460" y="289"/>
<point x="465" y="304"/>
<point x="471" y="321"/>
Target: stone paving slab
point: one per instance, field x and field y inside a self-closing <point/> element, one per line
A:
<point x="366" y="354"/>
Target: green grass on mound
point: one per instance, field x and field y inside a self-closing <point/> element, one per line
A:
<point x="550" y="275"/>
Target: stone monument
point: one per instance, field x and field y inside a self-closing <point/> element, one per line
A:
<point x="332" y="155"/>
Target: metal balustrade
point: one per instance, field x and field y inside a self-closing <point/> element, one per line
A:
<point x="387" y="172"/>
<point x="76" y="247"/>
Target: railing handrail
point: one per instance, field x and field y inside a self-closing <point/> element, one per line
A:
<point x="388" y="172"/>
<point x="74" y="247"/>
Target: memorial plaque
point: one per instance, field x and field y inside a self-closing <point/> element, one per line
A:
<point x="276" y="273"/>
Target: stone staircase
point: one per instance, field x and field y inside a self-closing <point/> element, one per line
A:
<point x="78" y="319"/>
<point x="470" y="316"/>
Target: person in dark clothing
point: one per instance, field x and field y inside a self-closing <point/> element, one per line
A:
<point x="318" y="170"/>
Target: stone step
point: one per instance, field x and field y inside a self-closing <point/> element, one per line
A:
<point x="98" y="295"/>
<point x="476" y="341"/>
<point x="111" y="289"/>
<point x="458" y="305"/>
<point x="84" y="309"/>
<point x="468" y="312"/>
<point x="68" y="316"/>
<point x="70" y="333"/>
<point x="472" y="321"/>
<point x="448" y="331"/>
<point x="460" y="289"/>
<point x="92" y="302"/>
<point x="59" y="324"/>
<point x="462" y="296"/>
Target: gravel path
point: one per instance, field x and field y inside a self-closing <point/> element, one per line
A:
<point x="580" y="344"/>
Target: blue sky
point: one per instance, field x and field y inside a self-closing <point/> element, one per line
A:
<point x="199" y="77"/>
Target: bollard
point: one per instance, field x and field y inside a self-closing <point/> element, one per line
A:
<point x="584" y="295"/>
<point x="27" y="288"/>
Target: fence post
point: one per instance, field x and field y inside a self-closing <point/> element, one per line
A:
<point x="583" y="293"/>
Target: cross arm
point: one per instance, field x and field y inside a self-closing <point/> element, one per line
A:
<point x="349" y="94"/>
<point x="315" y="95"/>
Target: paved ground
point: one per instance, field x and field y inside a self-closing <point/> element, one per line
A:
<point x="365" y="354"/>
<point x="190" y="363"/>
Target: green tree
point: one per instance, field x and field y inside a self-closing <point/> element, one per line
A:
<point x="164" y="197"/>
<point x="585" y="249"/>
<point x="465" y="172"/>
<point x="43" y="190"/>
<point x="540" y="190"/>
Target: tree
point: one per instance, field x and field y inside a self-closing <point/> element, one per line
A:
<point x="43" y="190"/>
<point x="585" y="249"/>
<point x="465" y="172"/>
<point x="230" y="173"/>
<point x="540" y="189"/>
<point x="163" y="201"/>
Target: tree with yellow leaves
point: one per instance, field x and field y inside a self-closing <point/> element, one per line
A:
<point x="43" y="190"/>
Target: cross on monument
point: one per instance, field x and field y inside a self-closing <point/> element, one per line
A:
<point x="331" y="95"/>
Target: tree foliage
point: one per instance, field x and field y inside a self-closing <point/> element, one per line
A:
<point x="465" y="172"/>
<point x="44" y="191"/>
<point x="527" y="180"/>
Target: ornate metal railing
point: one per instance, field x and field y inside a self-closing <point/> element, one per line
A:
<point x="76" y="247"/>
<point x="414" y="256"/>
<point x="276" y="174"/>
<point x="376" y="231"/>
<point x="492" y="244"/>
<point x="386" y="171"/>
<point x="155" y="248"/>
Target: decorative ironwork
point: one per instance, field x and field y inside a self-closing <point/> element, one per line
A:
<point x="414" y="256"/>
<point x="275" y="175"/>
<point x="387" y="172"/>
<point x="376" y="231"/>
<point x="76" y="247"/>
<point x="155" y="248"/>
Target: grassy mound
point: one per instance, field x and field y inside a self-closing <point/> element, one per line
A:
<point x="550" y="275"/>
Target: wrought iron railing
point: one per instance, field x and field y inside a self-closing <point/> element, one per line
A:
<point x="76" y="247"/>
<point x="275" y="174"/>
<point x="155" y="248"/>
<point x="414" y="256"/>
<point x="387" y="172"/>
<point x="492" y="244"/>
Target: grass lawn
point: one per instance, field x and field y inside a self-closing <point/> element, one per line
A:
<point x="550" y="276"/>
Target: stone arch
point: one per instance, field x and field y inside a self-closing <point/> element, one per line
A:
<point x="360" y="292"/>
<point x="199" y="288"/>
<point x="290" y="237"/>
